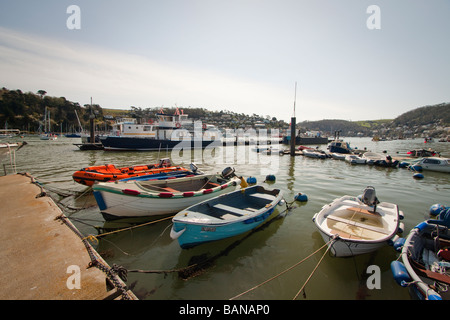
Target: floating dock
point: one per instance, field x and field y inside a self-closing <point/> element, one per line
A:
<point x="42" y="254"/>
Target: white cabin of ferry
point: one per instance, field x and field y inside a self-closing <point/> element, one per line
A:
<point x="165" y="127"/>
<point x="128" y="127"/>
<point x="175" y="121"/>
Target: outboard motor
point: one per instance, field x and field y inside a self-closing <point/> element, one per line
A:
<point x="369" y="197"/>
<point x="165" y="163"/>
<point x="193" y="167"/>
<point x="228" y="172"/>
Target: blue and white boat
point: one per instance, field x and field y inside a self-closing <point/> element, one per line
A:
<point x="224" y="216"/>
<point x="339" y="146"/>
<point x="424" y="264"/>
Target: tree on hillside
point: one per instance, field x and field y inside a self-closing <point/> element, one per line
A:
<point x="42" y="93"/>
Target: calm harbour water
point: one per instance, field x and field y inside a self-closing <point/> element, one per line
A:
<point x="246" y="261"/>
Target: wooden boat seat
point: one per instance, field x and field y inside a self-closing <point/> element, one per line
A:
<point x="233" y="210"/>
<point x="264" y="196"/>
<point x="213" y="184"/>
<point x="365" y="211"/>
<point x="345" y="235"/>
<point x="357" y="224"/>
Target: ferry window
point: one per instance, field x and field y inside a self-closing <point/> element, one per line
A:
<point x="129" y="127"/>
<point x="147" y="128"/>
<point x="432" y="161"/>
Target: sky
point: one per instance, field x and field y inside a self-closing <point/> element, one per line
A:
<point x="331" y="59"/>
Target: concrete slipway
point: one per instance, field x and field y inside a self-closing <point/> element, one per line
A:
<point x="40" y="253"/>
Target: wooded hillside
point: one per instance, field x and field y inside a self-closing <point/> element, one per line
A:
<point x="25" y="111"/>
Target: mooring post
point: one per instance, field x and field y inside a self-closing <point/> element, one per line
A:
<point x="293" y="136"/>
<point x="91" y="123"/>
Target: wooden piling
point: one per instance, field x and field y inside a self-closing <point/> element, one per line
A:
<point x="293" y="123"/>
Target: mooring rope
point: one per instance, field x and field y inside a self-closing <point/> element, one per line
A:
<point x="110" y="272"/>
<point x="197" y="268"/>
<point x="333" y="239"/>
<point x="94" y="238"/>
<point x="286" y="270"/>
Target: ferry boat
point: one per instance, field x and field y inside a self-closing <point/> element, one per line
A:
<point x="168" y="132"/>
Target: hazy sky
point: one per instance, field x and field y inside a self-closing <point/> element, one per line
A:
<point x="239" y="55"/>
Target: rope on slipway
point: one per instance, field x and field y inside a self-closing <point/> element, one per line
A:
<point x="329" y="244"/>
<point x="64" y="194"/>
<point x="114" y="274"/>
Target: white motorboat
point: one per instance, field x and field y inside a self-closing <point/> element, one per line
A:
<point x="435" y="164"/>
<point x="358" y="226"/>
<point x="138" y="198"/>
<point x="313" y="153"/>
<point x="354" y="159"/>
<point x="338" y="156"/>
<point x="372" y="157"/>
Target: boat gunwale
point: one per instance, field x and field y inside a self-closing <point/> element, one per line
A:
<point x="146" y="193"/>
<point x="419" y="283"/>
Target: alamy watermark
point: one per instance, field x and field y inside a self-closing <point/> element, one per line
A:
<point x="373" y="22"/>
<point x="73" y="22"/>
<point x="253" y="147"/>
<point x="74" y="280"/>
<point x="374" y="280"/>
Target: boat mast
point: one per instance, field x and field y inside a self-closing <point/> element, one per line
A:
<point x="293" y="123"/>
<point x="45" y="120"/>
<point x="79" y="122"/>
<point x="295" y="96"/>
<point x="91" y="121"/>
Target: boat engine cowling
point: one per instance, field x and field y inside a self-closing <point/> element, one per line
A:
<point x="193" y="167"/>
<point x="369" y="197"/>
<point x="228" y="172"/>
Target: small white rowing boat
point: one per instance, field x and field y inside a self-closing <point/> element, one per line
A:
<point x="362" y="226"/>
